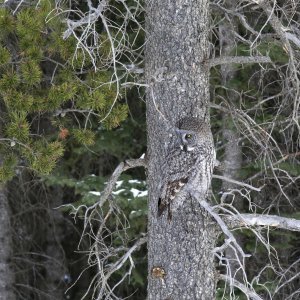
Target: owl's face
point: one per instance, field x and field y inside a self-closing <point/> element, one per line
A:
<point x="187" y="139"/>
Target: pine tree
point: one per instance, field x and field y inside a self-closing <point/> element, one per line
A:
<point x="43" y="83"/>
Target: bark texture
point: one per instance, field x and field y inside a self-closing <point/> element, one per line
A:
<point x="180" y="255"/>
<point x="6" y="271"/>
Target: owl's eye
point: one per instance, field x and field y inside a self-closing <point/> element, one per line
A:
<point x="188" y="136"/>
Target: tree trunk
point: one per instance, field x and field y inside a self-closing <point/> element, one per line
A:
<point x="180" y="259"/>
<point x="55" y="264"/>
<point x="6" y="271"/>
<point x="232" y="161"/>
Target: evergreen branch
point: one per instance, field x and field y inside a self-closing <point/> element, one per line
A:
<point x="63" y="112"/>
<point x="105" y="274"/>
<point x="238" y="60"/>
<point x="15" y="141"/>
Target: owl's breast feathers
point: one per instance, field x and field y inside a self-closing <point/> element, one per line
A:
<point x="173" y="188"/>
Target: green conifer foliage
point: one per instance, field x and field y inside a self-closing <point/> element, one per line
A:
<point x="4" y="55"/>
<point x="7" y="22"/>
<point x="44" y="85"/>
<point x="84" y="136"/>
<point x="44" y="157"/>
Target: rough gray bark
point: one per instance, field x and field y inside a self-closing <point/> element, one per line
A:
<point x="6" y="270"/>
<point x="180" y="259"/>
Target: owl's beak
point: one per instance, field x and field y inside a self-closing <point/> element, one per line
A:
<point x="179" y="141"/>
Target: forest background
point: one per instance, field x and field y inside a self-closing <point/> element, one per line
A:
<point x="70" y="115"/>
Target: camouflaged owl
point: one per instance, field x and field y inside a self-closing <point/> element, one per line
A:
<point x="189" y="164"/>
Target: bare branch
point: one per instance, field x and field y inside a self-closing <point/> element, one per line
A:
<point x="118" y="264"/>
<point x="122" y="167"/>
<point x="245" y="220"/>
<point x="283" y="32"/>
<point x="105" y="271"/>
<point x="239" y="285"/>
<point x="222" y="225"/>
<point x="238" y="60"/>
<point x="237" y="182"/>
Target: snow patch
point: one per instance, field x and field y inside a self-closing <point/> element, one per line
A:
<point x="143" y="194"/>
<point x="138" y="193"/>
<point x="95" y="193"/>
<point x="118" y="192"/>
<point x="134" y="181"/>
<point x="119" y="183"/>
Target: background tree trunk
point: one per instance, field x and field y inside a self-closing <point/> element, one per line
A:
<point x="176" y="50"/>
<point x="6" y="271"/>
<point x="56" y="270"/>
<point x="232" y="161"/>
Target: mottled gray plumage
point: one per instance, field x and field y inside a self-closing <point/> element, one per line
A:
<point x="189" y="164"/>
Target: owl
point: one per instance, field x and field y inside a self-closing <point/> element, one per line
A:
<point x="189" y="164"/>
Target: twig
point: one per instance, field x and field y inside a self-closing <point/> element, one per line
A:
<point x="237" y="182"/>
<point x="240" y="286"/>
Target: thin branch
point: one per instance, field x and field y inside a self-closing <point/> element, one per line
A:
<point x="240" y="286"/>
<point x="237" y="182"/>
<point x="238" y="60"/>
<point x="14" y="141"/>
<point x="285" y="37"/>
<point x="245" y="220"/>
<point x="63" y="112"/>
<point x="119" y="263"/>
<point x="222" y="225"/>
<point x="122" y="167"/>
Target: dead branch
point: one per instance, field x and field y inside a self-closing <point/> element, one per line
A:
<point x="105" y="271"/>
<point x="246" y="220"/>
<point x="122" y="167"/>
<point x="285" y="35"/>
<point x="222" y="225"/>
<point x="237" y="182"/>
<point x="238" y="60"/>
<point x="240" y="286"/>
